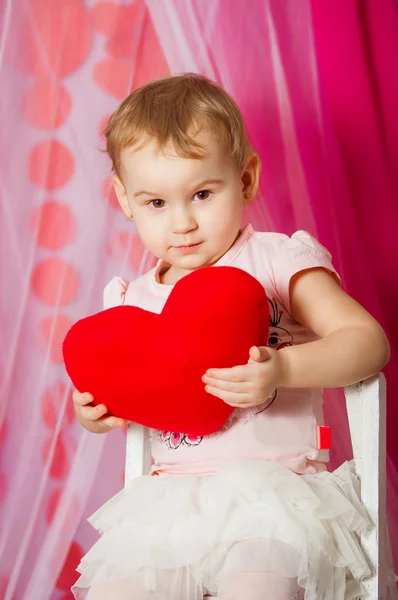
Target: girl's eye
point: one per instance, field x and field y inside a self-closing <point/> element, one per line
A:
<point x="203" y="195"/>
<point x="157" y="203"/>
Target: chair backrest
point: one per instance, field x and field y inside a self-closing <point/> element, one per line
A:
<point x="366" y="408"/>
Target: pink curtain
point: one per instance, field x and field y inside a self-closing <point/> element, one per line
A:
<point x="318" y="90"/>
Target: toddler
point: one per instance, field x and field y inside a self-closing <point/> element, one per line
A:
<point x="251" y="511"/>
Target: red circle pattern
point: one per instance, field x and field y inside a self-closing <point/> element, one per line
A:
<point x="54" y="225"/>
<point x="3" y="433"/>
<point x="51" y="402"/>
<point x="109" y="194"/>
<point x="134" y="52"/>
<point x="51" y="164"/>
<point x="52" y="507"/>
<point x="3" y="487"/>
<point x="3" y="588"/>
<point x="47" y="104"/>
<point x="105" y="16"/>
<point x="68" y="574"/>
<point x="55" y="282"/>
<point x="113" y="76"/>
<point x="60" y="464"/>
<point x="121" y="24"/>
<point x="102" y="126"/>
<point x="59" y="41"/>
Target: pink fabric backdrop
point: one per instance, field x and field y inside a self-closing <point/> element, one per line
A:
<point x="319" y="91"/>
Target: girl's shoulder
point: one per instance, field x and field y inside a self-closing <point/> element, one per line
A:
<point x="275" y="258"/>
<point x="300" y="250"/>
<point x="299" y="242"/>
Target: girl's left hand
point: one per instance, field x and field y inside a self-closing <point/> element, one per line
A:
<point x="248" y="385"/>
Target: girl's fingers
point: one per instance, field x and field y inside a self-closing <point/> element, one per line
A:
<point x="231" y="398"/>
<point x="81" y="399"/>
<point x="92" y="413"/>
<point x="236" y="374"/>
<point x="245" y="405"/>
<point x="229" y="386"/>
<point x="114" y="422"/>
<point x="96" y="413"/>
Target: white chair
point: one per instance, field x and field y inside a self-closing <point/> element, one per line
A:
<point x="366" y="408"/>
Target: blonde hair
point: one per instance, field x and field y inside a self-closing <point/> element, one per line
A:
<point x="174" y="109"/>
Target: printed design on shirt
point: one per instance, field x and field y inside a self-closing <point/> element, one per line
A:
<point x="278" y="338"/>
<point x="174" y="440"/>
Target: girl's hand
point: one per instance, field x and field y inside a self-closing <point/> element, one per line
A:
<point x="251" y="384"/>
<point x="94" y="418"/>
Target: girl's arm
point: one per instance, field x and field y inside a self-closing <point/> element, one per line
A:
<point x="353" y="346"/>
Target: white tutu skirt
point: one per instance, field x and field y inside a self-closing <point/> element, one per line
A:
<point x="251" y="516"/>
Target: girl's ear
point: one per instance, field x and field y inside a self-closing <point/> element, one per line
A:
<point x="121" y="196"/>
<point x="250" y="177"/>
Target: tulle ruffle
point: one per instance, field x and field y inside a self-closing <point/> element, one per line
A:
<point x="250" y="516"/>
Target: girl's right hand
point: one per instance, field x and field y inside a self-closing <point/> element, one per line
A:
<point x="94" y="418"/>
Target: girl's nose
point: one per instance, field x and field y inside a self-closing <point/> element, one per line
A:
<point x="183" y="221"/>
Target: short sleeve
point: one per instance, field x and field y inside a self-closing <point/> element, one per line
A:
<point x="295" y="254"/>
<point x="115" y="292"/>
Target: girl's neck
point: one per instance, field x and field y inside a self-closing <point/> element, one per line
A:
<point x="169" y="276"/>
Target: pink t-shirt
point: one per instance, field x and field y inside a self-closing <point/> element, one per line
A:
<point x="286" y="430"/>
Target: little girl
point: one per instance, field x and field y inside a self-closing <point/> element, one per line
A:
<point x="250" y="512"/>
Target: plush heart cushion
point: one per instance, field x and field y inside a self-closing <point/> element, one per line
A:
<point x="147" y="368"/>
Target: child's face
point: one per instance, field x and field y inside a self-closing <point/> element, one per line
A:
<point x="188" y="211"/>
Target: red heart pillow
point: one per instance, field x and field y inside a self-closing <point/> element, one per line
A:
<point x="147" y="368"/>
